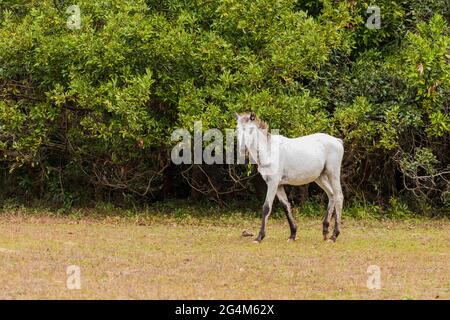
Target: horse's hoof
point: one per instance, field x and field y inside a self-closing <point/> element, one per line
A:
<point x="330" y="240"/>
<point x="290" y="240"/>
<point x="256" y="242"/>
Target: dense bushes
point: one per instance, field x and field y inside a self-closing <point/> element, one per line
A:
<point x="87" y="114"/>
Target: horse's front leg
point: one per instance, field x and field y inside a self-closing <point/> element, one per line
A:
<point x="281" y="194"/>
<point x="267" y="208"/>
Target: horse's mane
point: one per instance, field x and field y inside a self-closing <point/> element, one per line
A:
<point x="259" y="123"/>
<point x="262" y="124"/>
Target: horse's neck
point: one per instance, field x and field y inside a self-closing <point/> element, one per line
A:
<point x="259" y="148"/>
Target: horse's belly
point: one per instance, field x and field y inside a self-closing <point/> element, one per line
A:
<point x="305" y="173"/>
<point x="298" y="181"/>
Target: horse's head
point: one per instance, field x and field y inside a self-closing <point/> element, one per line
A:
<point x="245" y="124"/>
<point x="248" y="125"/>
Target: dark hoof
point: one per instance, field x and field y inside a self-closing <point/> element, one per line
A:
<point x="259" y="238"/>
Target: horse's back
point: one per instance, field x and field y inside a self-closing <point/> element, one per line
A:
<point x="318" y="140"/>
<point x="312" y="153"/>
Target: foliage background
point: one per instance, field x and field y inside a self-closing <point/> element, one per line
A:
<point x="86" y="115"/>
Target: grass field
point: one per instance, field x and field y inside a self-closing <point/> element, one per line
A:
<point x="161" y="257"/>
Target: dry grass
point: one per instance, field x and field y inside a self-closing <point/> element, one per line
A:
<point x="168" y="258"/>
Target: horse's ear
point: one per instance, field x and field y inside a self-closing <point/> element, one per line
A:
<point x="252" y="116"/>
<point x="236" y="115"/>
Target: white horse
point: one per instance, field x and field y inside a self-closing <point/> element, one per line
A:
<point x="284" y="161"/>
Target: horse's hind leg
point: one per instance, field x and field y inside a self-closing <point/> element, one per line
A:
<point x="338" y="202"/>
<point x="267" y="208"/>
<point x="281" y="194"/>
<point x="323" y="182"/>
